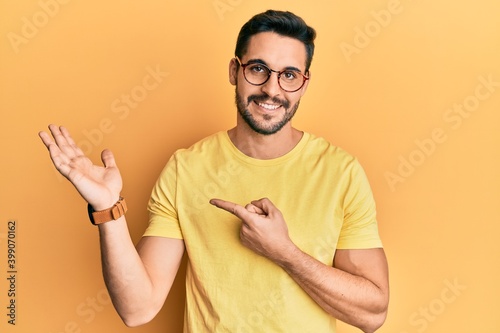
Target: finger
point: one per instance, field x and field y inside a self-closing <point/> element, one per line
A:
<point x="46" y="138"/>
<point x="108" y="159"/>
<point x="225" y="205"/>
<point x="231" y="207"/>
<point x="265" y="204"/>
<point x="61" y="136"/>
<point x="56" y="133"/>
<point x="254" y="209"/>
<point x="59" y="160"/>
<point x="70" y="141"/>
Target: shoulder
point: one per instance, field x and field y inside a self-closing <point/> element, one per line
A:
<point x="328" y="151"/>
<point x="203" y="146"/>
<point x="199" y="155"/>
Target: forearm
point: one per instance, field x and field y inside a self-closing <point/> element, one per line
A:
<point x="347" y="297"/>
<point x="125" y="275"/>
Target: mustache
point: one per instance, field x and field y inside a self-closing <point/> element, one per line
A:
<point x="266" y="98"/>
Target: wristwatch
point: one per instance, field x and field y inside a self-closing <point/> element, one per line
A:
<point x="118" y="210"/>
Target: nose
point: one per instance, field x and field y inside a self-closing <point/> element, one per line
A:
<point x="272" y="87"/>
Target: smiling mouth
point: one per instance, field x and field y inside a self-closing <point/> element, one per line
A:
<point x="269" y="107"/>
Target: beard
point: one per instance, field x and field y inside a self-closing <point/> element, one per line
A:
<point x="265" y="127"/>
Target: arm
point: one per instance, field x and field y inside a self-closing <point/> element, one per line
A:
<point x="138" y="280"/>
<point x="355" y="290"/>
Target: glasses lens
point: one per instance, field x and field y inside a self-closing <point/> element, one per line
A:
<point x="289" y="80"/>
<point x="257" y="74"/>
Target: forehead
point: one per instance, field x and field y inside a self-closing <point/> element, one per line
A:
<point x="276" y="51"/>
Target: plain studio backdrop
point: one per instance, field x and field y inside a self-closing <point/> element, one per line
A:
<point x="411" y="88"/>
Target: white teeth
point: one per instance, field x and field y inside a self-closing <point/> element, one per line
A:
<point x="269" y="106"/>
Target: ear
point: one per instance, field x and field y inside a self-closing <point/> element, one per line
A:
<point x="233" y="71"/>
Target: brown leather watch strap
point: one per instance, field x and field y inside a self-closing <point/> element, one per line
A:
<point x="118" y="210"/>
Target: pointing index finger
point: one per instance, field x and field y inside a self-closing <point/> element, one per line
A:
<point x="230" y="207"/>
<point x="222" y="204"/>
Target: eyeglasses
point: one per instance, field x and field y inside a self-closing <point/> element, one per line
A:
<point x="257" y="74"/>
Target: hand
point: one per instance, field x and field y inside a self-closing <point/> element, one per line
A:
<point x="263" y="228"/>
<point x="99" y="186"/>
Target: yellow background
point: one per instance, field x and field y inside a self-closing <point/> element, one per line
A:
<point x="384" y="87"/>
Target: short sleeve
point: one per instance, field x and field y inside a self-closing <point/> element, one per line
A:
<point x="359" y="229"/>
<point x="163" y="219"/>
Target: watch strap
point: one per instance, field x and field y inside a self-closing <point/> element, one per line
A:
<point x="98" y="217"/>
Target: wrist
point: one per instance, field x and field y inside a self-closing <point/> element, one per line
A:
<point x="109" y="214"/>
<point x="107" y="204"/>
<point x="287" y="254"/>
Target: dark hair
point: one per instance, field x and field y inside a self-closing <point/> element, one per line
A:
<point x="283" y="23"/>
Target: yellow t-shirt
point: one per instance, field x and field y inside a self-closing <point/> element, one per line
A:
<point x="327" y="204"/>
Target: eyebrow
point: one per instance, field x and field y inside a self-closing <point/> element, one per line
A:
<point x="262" y="62"/>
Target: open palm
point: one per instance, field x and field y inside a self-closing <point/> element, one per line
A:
<point x="100" y="186"/>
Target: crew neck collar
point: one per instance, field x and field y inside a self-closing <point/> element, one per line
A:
<point x="265" y="162"/>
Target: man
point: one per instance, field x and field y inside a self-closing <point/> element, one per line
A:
<point x="291" y="245"/>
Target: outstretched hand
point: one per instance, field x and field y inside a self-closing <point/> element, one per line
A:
<point x="100" y="186"/>
<point x="263" y="228"/>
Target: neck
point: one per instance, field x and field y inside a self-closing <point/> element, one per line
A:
<point x="264" y="147"/>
